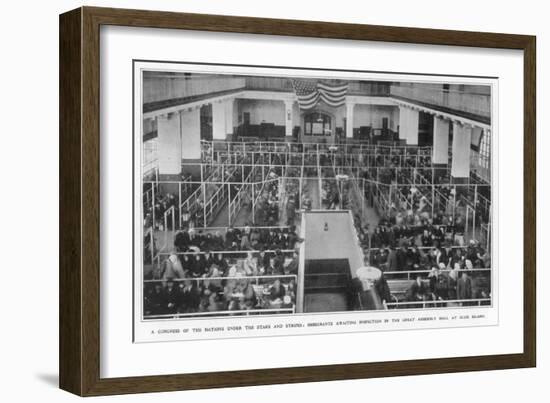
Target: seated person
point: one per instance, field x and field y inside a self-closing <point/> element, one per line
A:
<point x="246" y="294"/>
<point x="190" y="297"/>
<point x="198" y="266"/>
<point x="292" y="267"/>
<point x="172" y="268"/>
<point x="417" y="291"/>
<point x="250" y="265"/>
<point x="276" y="292"/>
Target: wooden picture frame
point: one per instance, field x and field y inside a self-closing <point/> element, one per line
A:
<point x="79" y="346"/>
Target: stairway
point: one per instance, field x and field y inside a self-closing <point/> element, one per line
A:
<point x="327" y="285"/>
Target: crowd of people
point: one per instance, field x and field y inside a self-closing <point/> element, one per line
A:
<point x="267" y="207"/>
<point x="441" y="269"/>
<point x="407" y="257"/>
<point x="244" y="269"/>
<point x="416" y="234"/>
<point x="439" y="288"/>
<point x="238" y="294"/>
<point x="236" y="239"/>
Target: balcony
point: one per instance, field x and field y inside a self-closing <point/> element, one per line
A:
<point x="470" y="101"/>
<point x="367" y="88"/>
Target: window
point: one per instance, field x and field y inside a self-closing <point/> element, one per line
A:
<point x="317" y="124"/>
<point x="485" y="150"/>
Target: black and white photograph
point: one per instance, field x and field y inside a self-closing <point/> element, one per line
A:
<point x="308" y="193"/>
<point x="246" y="201"/>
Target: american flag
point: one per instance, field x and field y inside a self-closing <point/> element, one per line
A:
<point x="310" y="92"/>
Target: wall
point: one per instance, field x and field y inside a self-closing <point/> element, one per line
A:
<point x="262" y="111"/>
<point x="372" y="115"/>
<point x="28" y="341"/>
<point x="161" y="88"/>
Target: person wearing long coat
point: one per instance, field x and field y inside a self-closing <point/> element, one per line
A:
<point x="464" y="287"/>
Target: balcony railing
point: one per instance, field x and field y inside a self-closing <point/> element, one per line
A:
<point x="477" y="104"/>
<point x="285" y="84"/>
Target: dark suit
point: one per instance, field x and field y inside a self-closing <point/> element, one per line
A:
<point x="464" y="288"/>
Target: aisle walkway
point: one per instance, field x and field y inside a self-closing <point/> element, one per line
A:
<point x="312" y="186"/>
<point x="372" y="218"/>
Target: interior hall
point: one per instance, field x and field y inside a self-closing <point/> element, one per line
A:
<point x="284" y="195"/>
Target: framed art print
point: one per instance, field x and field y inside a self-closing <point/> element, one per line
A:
<point x="237" y="194"/>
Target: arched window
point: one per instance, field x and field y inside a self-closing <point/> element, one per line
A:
<point x="485" y="150"/>
<point x="317" y="124"/>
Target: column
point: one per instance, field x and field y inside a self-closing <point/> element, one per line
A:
<point x="229" y="117"/>
<point x="169" y="144"/>
<point x="462" y="140"/>
<point x="218" y="120"/>
<point x="412" y="136"/>
<point x="412" y="133"/>
<point x="349" y="119"/>
<point x="440" y="152"/>
<point x="191" y="134"/>
<point x="289" y="111"/>
<point x="408" y="125"/>
<point x="403" y="123"/>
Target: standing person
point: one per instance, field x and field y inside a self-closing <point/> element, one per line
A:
<point x="464" y="288"/>
<point x="439" y="283"/>
<point x="383" y="289"/>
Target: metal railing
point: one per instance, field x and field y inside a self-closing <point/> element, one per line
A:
<point x="261" y="286"/>
<point x="241" y="312"/>
<point x="434" y="304"/>
<point x="479" y="104"/>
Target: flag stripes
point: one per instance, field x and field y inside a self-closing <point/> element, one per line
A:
<point x="309" y="93"/>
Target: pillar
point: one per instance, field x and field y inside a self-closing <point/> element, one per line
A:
<point x="289" y="112"/>
<point x="349" y="119"/>
<point x="440" y="152"/>
<point x="229" y="117"/>
<point x="403" y="123"/>
<point x="191" y="141"/>
<point x="408" y="125"/>
<point x="462" y="140"/>
<point x="191" y="134"/>
<point x="169" y="144"/>
<point x="218" y="120"/>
